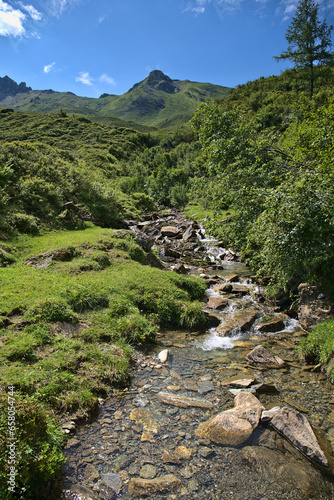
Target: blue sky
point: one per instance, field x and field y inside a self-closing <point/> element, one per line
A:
<point x="94" y="46"/>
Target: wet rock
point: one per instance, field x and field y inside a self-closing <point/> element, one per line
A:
<point x="143" y="240"/>
<point x="205" y="386"/>
<point x="217" y="303"/>
<point x="301" y="478"/>
<point x="223" y="288"/>
<point x="153" y="261"/>
<point x="148" y="471"/>
<point x="189" y="234"/>
<point x="90" y="473"/>
<point x="232" y="278"/>
<point x="140" y="486"/>
<point x="145" y="417"/>
<point x="267" y="415"/>
<point x="180" y="269"/>
<point x="182" y="453"/>
<point x="79" y="492"/>
<point x="233" y="427"/>
<point x="168" y="457"/>
<point x="295" y="427"/>
<point x="205" y="452"/>
<point x="241" y="319"/>
<point x="170" y="231"/>
<point x="242" y="289"/>
<point x="261" y="356"/>
<point x="239" y="383"/>
<point x="272" y="324"/>
<point x="110" y="484"/>
<point x="265" y="389"/>
<point x="163" y="355"/>
<point x="183" y="401"/>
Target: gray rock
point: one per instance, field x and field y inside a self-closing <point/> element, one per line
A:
<point x="295" y="427"/>
<point x="261" y="356"/>
<point x="183" y="401"/>
<point x="140" y="486"/>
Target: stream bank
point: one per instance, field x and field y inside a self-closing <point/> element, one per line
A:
<point x="144" y="442"/>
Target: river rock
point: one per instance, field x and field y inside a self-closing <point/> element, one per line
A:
<point x="261" y="356"/>
<point x="295" y="427"/>
<point x="233" y="427"/>
<point x="242" y="289"/>
<point x="264" y="388"/>
<point x="267" y="415"/>
<point x="241" y="319"/>
<point x="139" y="486"/>
<point x="223" y="288"/>
<point x="148" y="471"/>
<point x="80" y="492"/>
<point x="163" y="355"/>
<point x="189" y="234"/>
<point x="183" y="401"/>
<point x="217" y="303"/>
<point x="170" y="231"/>
<point x="143" y="240"/>
<point x="110" y="484"/>
<point x="239" y="383"/>
<point x="144" y="417"/>
<point x="273" y="324"/>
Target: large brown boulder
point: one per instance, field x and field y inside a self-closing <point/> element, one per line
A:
<point x="261" y="356"/>
<point x="233" y="427"/>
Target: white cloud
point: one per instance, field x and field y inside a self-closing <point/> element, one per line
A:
<point x="11" y="20"/>
<point x="106" y="79"/>
<point x="286" y="9"/>
<point x="34" y="14"/>
<point x="48" y="67"/>
<point x="84" y="78"/>
<point x="57" y="7"/>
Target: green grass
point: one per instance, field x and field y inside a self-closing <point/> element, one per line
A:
<point x="69" y="329"/>
<point x="319" y="343"/>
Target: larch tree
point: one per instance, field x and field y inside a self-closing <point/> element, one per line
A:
<point x="309" y="40"/>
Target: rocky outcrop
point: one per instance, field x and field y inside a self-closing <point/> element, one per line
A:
<point x="295" y="427"/>
<point x="233" y="427"/>
<point x="9" y="87"/>
<point x="313" y="306"/>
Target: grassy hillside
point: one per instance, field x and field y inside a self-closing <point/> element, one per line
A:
<point x="150" y="103"/>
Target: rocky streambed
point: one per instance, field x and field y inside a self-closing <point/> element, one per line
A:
<point x="227" y="412"/>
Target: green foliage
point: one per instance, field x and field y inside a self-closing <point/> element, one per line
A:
<point x="51" y="310"/>
<point x="38" y="453"/>
<point x="320" y="344"/>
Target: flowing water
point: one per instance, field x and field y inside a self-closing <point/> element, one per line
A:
<point x="138" y="436"/>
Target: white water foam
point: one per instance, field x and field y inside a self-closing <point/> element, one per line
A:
<point x="214" y="341"/>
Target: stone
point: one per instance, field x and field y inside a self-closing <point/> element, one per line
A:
<point x="295" y="427"/>
<point x="82" y="492"/>
<point x="153" y="261"/>
<point x="144" y="417"/>
<point x="223" y="288"/>
<point x="189" y="234"/>
<point x="233" y="427"/>
<point x="313" y="306"/>
<point x="205" y="386"/>
<point x="273" y="324"/>
<point x="148" y="471"/>
<point x="169" y="458"/>
<point x="90" y="473"/>
<point x="170" y="231"/>
<point x="143" y="241"/>
<point x="231" y="278"/>
<point x="267" y="415"/>
<point x="241" y="319"/>
<point x="184" y="401"/>
<point x="240" y="383"/>
<point x="243" y="289"/>
<point x="110" y="483"/>
<point x="182" y="453"/>
<point x="217" y="303"/>
<point x="181" y="269"/>
<point x="163" y="355"/>
<point x="261" y="356"/>
<point x="265" y="389"/>
<point x="140" y="486"/>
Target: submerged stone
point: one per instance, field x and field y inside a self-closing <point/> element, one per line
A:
<point x="295" y="427"/>
<point x="183" y="401"/>
<point x="260" y="355"/>
<point x="144" y="417"/>
<point x="139" y="486"/>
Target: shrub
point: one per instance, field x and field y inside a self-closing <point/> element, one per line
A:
<point x="38" y="444"/>
<point x="135" y="329"/>
<point x="51" y="310"/>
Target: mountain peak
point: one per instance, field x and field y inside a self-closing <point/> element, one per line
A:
<point x="9" y="87"/>
<point x="156" y="76"/>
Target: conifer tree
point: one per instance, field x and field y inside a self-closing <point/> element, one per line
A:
<point x="309" y="40"/>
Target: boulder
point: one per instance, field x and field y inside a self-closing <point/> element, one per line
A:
<point x="272" y="324"/>
<point x="144" y="241"/>
<point x="217" y="303"/>
<point x="189" y="234"/>
<point x="233" y="427"/>
<point x="170" y="231"/>
<point x="241" y="319"/>
<point x="295" y="427"/>
<point x="261" y="356"/>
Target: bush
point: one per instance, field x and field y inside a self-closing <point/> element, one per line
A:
<point x="135" y="328"/>
<point x="38" y="453"/>
<point x="51" y="310"/>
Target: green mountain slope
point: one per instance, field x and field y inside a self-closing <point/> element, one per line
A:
<point x="157" y="101"/>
